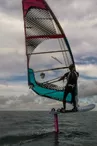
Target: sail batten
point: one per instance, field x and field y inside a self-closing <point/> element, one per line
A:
<point x="50" y="69"/>
<point x="46" y="36"/>
<point x="48" y="52"/>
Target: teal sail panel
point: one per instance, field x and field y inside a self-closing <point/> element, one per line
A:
<point x="47" y="92"/>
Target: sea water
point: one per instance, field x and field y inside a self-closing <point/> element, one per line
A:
<point x="36" y="128"/>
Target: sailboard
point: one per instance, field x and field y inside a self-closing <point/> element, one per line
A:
<point x="84" y="108"/>
<point x="47" y="49"/>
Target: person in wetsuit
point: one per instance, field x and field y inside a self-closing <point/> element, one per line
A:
<point x="71" y="86"/>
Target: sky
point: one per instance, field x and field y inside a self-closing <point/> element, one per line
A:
<point x="79" y="22"/>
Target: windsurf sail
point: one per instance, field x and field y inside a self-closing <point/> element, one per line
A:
<point x="47" y="49"/>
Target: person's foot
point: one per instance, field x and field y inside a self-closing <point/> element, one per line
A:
<point x="75" y="109"/>
<point x="62" y="110"/>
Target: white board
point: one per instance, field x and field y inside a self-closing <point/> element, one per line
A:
<point x="80" y="109"/>
<point x="86" y="108"/>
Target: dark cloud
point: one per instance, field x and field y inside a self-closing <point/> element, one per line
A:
<point x="86" y="60"/>
<point x="87" y="88"/>
<point x="13" y="67"/>
<point x="3" y="100"/>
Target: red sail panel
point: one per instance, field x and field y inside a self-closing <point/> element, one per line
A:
<point x="33" y="3"/>
<point x="43" y="36"/>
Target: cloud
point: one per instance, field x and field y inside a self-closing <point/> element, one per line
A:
<point x="89" y="70"/>
<point x="27" y="102"/>
<point x="87" y="88"/>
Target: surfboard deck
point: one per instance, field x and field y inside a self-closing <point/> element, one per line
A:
<point x="86" y="108"/>
<point x="80" y="109"/>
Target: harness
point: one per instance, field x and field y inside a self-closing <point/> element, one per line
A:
<point x="71" y="85"/>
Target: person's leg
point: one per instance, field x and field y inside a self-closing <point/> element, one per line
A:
<point x="73" y="99"/>
<point x="65" y="95"/>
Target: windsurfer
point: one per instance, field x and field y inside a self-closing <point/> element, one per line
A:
<point x="70" y="87"/>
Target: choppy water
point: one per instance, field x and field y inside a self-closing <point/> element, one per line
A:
<point x="37" y="129"/>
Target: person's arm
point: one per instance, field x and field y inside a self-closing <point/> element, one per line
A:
<point x="78" y="74"/>
<point x="63" y="77"/>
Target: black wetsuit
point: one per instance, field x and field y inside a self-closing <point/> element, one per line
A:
<point x="71" y="86"/>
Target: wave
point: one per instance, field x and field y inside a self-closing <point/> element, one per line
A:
<point x="14" y="139"/>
